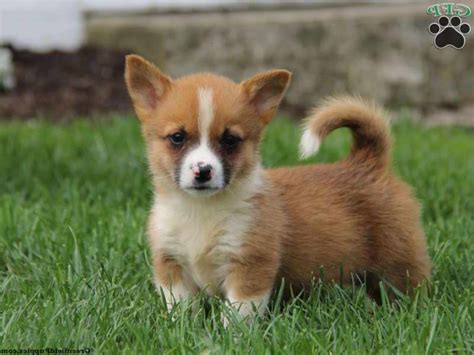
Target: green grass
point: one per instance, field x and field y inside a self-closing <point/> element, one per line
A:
<point x="75" y="268"/>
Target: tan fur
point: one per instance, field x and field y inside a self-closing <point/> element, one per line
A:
<point x="351" y="217"/>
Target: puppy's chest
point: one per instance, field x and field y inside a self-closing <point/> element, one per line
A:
<point x="202" y="240"/>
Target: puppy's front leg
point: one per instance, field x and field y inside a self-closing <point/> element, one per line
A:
<point x="248" y="288"/>
<point x="170" y="279"/>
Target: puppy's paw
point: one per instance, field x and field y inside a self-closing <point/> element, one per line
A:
<point x="174" y="295"/>
<point x="244" y="309"/>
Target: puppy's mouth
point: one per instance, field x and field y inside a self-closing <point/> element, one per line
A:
<point x="202" y="190"/>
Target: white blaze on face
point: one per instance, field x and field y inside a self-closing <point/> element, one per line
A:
<point x="202" y="154"/>
<point x="206" y="112"/>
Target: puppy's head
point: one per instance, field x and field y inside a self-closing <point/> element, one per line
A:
<point x="202" y="131"/>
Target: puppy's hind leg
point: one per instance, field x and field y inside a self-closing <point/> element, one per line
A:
<point x="402" y="265"/>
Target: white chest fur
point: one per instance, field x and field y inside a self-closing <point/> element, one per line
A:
<point x="202" y="234"/>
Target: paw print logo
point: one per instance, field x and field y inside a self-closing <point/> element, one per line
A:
<point x="449" y="32"/>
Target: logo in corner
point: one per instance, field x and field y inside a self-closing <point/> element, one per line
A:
<point x="450" y="28"/>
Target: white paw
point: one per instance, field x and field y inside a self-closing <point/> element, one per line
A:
<point x="247" y="308"/>
<point x="177" y="293"/>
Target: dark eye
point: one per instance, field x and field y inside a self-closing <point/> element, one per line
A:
<point x="177" y="138"/>
<point x="229" y="140"/>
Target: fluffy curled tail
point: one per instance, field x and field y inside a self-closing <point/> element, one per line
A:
<point x="369" y="128"/>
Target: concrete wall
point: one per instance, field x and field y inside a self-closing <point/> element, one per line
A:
<point x="383" y="52"/>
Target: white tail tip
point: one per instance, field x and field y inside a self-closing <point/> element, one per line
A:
<point x="309" y="144"/>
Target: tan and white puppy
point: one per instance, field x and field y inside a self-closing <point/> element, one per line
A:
<point x="223" y="224"/>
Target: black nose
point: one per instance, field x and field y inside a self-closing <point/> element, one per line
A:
<point x="203" y="174"/>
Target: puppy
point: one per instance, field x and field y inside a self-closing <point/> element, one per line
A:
<point x="223" y="224"/>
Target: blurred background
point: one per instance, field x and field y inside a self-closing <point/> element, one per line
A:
<point x="64" y="58"/>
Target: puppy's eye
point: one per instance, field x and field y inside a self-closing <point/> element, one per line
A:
<point x="229" y="140"/>
<point x="177" y="138"/>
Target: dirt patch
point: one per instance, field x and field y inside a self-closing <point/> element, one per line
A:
<point x="62" y="85"/>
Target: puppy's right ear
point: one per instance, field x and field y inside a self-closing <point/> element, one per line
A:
<point x="146" y="84"/>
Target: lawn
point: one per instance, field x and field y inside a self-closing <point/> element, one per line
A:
<point x="75" y="268"/>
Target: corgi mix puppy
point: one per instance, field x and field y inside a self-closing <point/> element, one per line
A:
<point x="223" y="224"/>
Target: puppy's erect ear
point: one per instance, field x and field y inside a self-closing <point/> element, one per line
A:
<point x="146" y="84"/>
<point x="265" y="91"/>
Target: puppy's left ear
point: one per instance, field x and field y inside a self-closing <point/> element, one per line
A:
<point x="146" y="84"/>
<point x="265" y="91"/>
